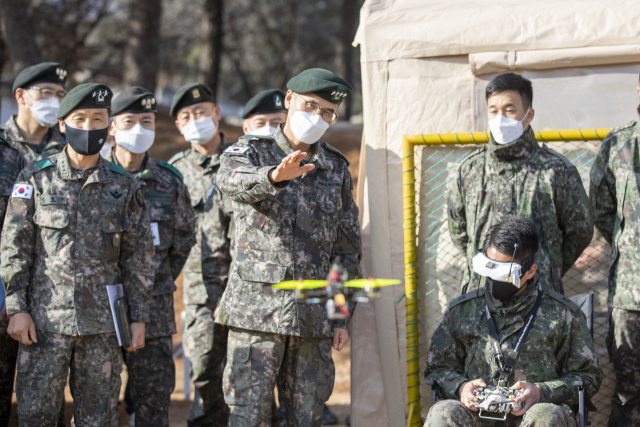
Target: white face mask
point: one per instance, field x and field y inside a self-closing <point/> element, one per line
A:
<point x="307" y="127"/>
<point x="263" y="131"/>
<point x="505" y="130"/>
<point x="136" y="140"/>
<point x="45" y="111"/>
<point x="200" y="131"/>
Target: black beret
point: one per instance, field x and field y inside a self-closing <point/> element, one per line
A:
<point x="87" y="95"/>
<point x="50" y="72"/>
<point x="190" y="94"/>
<point x="321" y="82"/>
<point x="136" y="99"/>
<point x="267" y="101"/>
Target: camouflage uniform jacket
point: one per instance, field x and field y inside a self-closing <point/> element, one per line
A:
<point x="53" y="142"/>
<point x="557" y="351"/>
<point x="527" y="180"/>
<point x="71" y="238"/>
<point x="11" y="163"/>
<point x="290" y="230"/>
<point x="615" y="200"/>
<point x="172" y="221"/>
<point x="207" y="268"/>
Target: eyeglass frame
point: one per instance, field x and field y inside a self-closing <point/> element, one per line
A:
<point x="307" y="102"/>
<point x="56" y="93"/>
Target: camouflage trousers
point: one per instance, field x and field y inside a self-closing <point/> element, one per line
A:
<point x="8" y="355"/>
<point x="623" y="343"/>
<point x="205" y="344"/>
<point x="152" y="378"/>
<point x="302" y="366"/>
<point x="452" y="413"/>
<point x="95" y="362"/>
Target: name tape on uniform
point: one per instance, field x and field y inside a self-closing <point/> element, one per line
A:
<point x="211" y="190"/>
<point x="22" y="191"/>
<point x="155" y="233"/>
<point x="234" y="149"/>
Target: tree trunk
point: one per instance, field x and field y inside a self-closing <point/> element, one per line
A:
<point x="211" y="34"/>
<point x="350" y="9"/>
<point x="18" y="34"/>
<point x="142" y="58"/>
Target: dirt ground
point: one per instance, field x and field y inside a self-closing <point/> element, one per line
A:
<point x="344" y="137"/>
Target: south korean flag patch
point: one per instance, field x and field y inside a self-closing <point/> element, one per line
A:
<point x="22" y="191"/>
<point x="236" y="150"/>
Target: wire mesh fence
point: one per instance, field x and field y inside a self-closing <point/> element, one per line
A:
<point x="440" y="265"/>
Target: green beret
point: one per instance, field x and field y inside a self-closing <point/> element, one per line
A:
<point x="134" y="100"/>
<point x="87" y="95"/>
<point x="50" y="72"/>
<point x="190" y="94"/>
<point x="267" y="101"/>
<point x="321" y="82"/>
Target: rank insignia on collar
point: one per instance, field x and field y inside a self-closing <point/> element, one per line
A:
<point x="195" y="93"/>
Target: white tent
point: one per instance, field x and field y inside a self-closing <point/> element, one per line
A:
<point x="425" y="65"/>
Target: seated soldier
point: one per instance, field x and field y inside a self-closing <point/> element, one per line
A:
<point x="542" y="359"/>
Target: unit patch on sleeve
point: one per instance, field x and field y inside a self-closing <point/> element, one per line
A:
<point x="235" y="149"/>
<point x="22" y="191"/>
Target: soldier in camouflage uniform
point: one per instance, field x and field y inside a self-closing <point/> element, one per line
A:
<point x="151" y="370"/>
<point x="11" y="163"/>
<point x="34" y="131"/>
<point x="75" y="224"/>
<point x="615" y="199"/>
<point x="207" y="268"/>
<point x="294" y="214"/>
<point x="513" y="175"/>
<point x="557" y="351"/>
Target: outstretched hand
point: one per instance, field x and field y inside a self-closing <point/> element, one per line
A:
<point x="290" y="168"/>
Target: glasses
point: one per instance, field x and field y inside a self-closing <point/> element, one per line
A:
<point x="313" y="107"/>
<point x="46" y="93"/>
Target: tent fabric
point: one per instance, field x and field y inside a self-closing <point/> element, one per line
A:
<point x="394" y="29"/>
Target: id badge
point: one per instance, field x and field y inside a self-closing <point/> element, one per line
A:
<point x="155" y="233"/>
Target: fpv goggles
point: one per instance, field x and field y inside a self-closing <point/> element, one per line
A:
<point x="507" y="271"/>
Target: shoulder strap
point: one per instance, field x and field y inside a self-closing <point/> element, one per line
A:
<point x="176" y="157"/>
<point x="117" y="169"/>
<point x="335" y="150"/>
<point x="566" y="301"/>
<point x="170" y="168"/>
<point x="466" y="297"/>
<point x="43" y="164"/>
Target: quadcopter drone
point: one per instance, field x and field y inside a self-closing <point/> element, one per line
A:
<point x="337" y="292"/>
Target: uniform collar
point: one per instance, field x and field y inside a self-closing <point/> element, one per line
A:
<point x="148" y="170"/>
<point x="519" y="305"/>
<point x="51" y="137"/>
<point x="206" y="160"/>
<point x="519" y="150"/>
<point x="318" y="158"/>
<point x="102" y="174"/>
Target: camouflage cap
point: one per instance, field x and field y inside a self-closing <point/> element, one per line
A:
<point x="267" y="101"/>
<point x="136" y="99"/>
<point x="87" y="95"/>
<point x="190" y="94"/>
<point x="50" y="72"/>
<point x="321" y="82"/>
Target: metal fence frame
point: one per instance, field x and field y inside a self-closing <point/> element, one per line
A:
<point x="409" y="142"/>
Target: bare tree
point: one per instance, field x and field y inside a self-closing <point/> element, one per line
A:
<point x="18" y="34"/>
<point x="142" y="53"/>
<point x="350" y="9"/>
<point x="211" y="34"/>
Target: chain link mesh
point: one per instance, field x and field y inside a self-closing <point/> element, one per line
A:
<point x="440" y="267"/>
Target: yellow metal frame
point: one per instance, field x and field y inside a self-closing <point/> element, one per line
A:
<point x="409" y="142"/>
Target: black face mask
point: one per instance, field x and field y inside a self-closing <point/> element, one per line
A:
<point x="503" y="291"/>
<point x="86" y="142"/>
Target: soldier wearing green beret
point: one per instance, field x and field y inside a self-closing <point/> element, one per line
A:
<point x="207" y="268"/>
<point x="172" y="219"/>
<point x="34" y="132"/>
<point x="295" y="215"/>
<point x="264" y="112"/>
<point x="75" y="224"/>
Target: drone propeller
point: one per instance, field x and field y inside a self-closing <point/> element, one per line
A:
<point x="300" y="284"/>
<point x="371" y="283"/>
